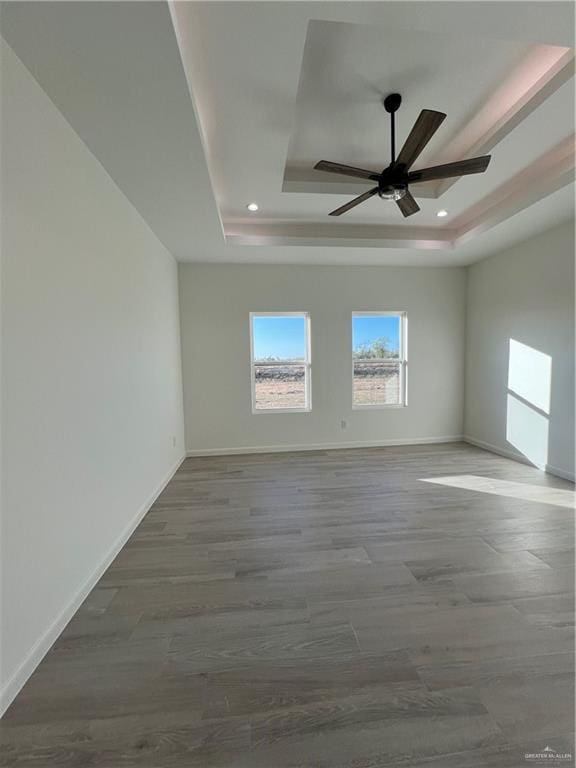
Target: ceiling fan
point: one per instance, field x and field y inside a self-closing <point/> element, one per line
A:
<point x="393" y="181"/>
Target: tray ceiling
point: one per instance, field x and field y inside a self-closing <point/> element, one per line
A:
<point x="196" y="109"/>
<point x="305" y="89"/>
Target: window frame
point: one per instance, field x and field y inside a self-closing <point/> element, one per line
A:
<point x="307" y="364"/>
<point x="402" y="358"/>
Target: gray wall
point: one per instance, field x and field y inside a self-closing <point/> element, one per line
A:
<point x="520" y="351"/>
<point x="91" y="373"/>
<point x="215" y="304"/>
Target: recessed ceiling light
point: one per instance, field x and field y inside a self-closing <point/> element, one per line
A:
<point x="252" y="206"/>
<point x="442" y="213"/>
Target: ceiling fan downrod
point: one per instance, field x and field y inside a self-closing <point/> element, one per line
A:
<point x="390" y="185"/>
<point x="392" y="105"/>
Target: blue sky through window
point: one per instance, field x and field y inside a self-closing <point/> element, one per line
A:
<point x="368" y="328"/>
<point x="279" y="338"/>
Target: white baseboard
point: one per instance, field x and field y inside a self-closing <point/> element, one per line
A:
<point x="15" y="683"/>
<point x="564" y="474"/>
<point x="508" y="454"/>
<point x="511" y="454"/>
<point x="321" y="446"/>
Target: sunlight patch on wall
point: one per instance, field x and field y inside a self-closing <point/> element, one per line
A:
<point x="528" y="401"/>
<point x="530" y="374"/>
<point x="539" y="493"/>
<point x="527" y="430"/>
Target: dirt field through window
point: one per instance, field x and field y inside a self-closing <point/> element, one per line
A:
<point x="278" y="387"/>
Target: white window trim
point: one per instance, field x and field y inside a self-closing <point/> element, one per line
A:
<point x="403" y="359"/>
<point x="307" y="363"/>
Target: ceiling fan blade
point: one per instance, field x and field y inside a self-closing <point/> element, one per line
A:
<point x="447" y="171"/>
<point x="346" y="170"/>
<point x="408" y="205"/>
<point x="424" y="128"/>
<point x="354" y="203"/>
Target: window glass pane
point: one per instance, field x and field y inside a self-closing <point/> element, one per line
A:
<point x="279" y="338"/>
<point x="377" y="383"/>
<point x="280" y="386"/>
<point x="375" y="336"/>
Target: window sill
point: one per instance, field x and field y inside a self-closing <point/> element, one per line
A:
<point x="272" y="411"/>
<point x="379" y="407"/>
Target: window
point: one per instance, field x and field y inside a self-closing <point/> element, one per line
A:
<point x="280" y="351"/>
<point x="378" y="359"/>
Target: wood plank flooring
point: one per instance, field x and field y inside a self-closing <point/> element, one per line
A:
<point x="402" y="607"/>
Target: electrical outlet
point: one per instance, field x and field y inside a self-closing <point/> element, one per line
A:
<point x="343" y="424"/>
<point x="173" y="441"/>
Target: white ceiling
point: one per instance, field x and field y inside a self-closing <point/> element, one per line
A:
<point x="199" y="108"/>
<point x="114" y="71"/>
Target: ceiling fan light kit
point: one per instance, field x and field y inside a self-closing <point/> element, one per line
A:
<point x="394" y="181"/>
<point x="392" y="191"/>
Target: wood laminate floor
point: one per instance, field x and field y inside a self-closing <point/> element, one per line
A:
<point x="346" y="609"/>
